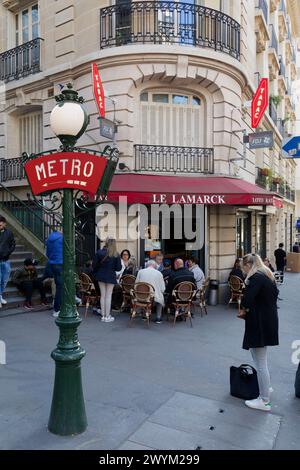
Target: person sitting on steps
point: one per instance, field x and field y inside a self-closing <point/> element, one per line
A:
<point x="26" y="279"/>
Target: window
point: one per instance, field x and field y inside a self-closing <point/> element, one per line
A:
<point x="180" y="99"/>
<point x="160" y="98"/>
<point x="31" y="132"/>
<point x="144" y="97"/>
<point x="27" y="25"/>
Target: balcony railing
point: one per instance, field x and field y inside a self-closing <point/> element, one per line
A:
<point x="172" y="159"/>
<point x="282" y="7"/>
<point x="166" y="22"/>
<point x="261" y="179"/>
<point x="273" y="112"/>
<point x="282" y="67"/>
<point x="263" y="5"/>
<point x="274" y="40"/>
<point x="11" y="169"/>
<point x="21" y="61"/>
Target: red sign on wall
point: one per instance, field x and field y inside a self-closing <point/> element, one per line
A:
<point x="260" y="102"/>
<point x="65" y="170"/>
<point x="98" y="90"/>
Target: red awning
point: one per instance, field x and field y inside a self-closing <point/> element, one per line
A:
<point x="149" y="189"/>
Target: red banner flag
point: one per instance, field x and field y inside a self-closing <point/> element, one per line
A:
<point x="260" y="102"/>
<point x="98" y="90"/>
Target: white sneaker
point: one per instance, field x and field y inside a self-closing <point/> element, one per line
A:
<point x="103" y="319"/>
<point x="271" y="390"/>
<point x="3" y="301"/>
<point x="55" y="314"/>
<point x="109" y="319"/>
<point x="258" y="404"/>
<point x="77" y="300"/>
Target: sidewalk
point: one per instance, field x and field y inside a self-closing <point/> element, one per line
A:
<point x="161" y="388"/>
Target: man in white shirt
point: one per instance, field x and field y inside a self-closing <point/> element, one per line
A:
<point x="151" y="275"/>
<point x="197" y="271"/>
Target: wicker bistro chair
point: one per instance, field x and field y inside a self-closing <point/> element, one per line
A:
<point x="127" y="284"/>
<point x="201" y="295"/>
<point x="88" y="292"/>
<point x="183" y="295"/>
<point x="237" y="286"/>
<point x="142" y="297"/>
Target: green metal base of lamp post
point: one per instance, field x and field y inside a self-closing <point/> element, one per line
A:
<point x="67" y="414"/>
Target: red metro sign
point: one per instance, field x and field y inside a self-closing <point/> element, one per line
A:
<point x="98" y="90"/>
<point x="65" y="170"/>
<point x="260" y="102"/>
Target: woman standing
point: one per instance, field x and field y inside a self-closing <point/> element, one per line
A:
<point x="105" y="264"/>
<point x="259" y="308"/>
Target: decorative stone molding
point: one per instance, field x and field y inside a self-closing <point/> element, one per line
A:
<point x="15" y="5"/>
<point x="288" y="53"/>
<point x="274" y="5"/>
<point x="274" y="65"/>
<point x="282" y="88"/>
<point x="282" y="26"/>
<point x="261" y="31"/>
<point x="293" y="71"/>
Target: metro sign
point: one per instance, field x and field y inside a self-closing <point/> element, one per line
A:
<point x="65" y="170"/>
<point x="98" y="90"/>
<point x="260" y="102"/>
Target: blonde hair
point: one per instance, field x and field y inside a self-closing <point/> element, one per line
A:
<point x="111" y="246"/>
<point x="257" y="266"/>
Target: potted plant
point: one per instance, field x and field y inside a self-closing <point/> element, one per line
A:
<point x="277" y="179"/>
<point x="266" y="172"/>
<point x="276" y="100"/>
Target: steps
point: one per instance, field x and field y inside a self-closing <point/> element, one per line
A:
<point x="15" y="299"/>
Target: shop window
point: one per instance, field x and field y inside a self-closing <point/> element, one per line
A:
<point x="243" y="234"/>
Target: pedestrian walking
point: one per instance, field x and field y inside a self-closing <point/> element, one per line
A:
<point x="54" y="253"/>
<point x="106" y="263"/>
<point x="280" y="259"/>
<point x="259" y="309"/>
<point x="7" y="246"/>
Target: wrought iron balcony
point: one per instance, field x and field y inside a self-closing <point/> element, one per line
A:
<point x="261" y="179"/>
<point x="274" y="40"/>
<point x="163" y="22"/>
<point x="263" y="5"/>
<point x="21" y="61"/>
<point x="172" y="159"/>
<point x="11" y="169"/>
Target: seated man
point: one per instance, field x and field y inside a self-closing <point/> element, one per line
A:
<point x="27" y="280"/>
<point x="179" y="275"/>
<point x="152" y="276"/>
<point x="167" y="268"/>
<point x="196" y="270"/>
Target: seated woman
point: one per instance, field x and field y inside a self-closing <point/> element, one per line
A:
<point x="268" y="264"/>
<point x="131" y="267"/>
<point x="237" y="270"/>
<point x="125" y="257"/>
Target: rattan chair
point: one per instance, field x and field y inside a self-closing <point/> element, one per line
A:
<point x="182" y="298"/>
<point x="201" y="295"/>
<point x="127" y="284"/>
<point x="237" y="287"/>
<point x="88" y="292"/>
<point x="142" y="297"/>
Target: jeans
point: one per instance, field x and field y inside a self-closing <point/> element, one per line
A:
<point x="158" y="310"/>
<point x="57" y="274"/>
<point x="259" y="356"/>
<point x="27" y="287"/>
<point x="5" y="270"/>
<point x="106" y="294"/>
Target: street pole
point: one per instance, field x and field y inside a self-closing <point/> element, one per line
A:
<point x="67" y="414"/>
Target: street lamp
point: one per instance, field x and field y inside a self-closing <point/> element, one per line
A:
<point x="68" y="121"/>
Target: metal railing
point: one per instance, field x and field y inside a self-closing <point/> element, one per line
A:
<point x="11" y="169"/>
<point x="282" y="7"/>
<point x="281" y="189"/>
<point x="261" y="179"/>
<point x="273" y="112"/>
<point x="163" y="22"/>
<point x="282" y="67"/>
<point x="173" y="159"/>
<point x="21" y="61"/>
<point x="29" y="214"/>
<point x="274" y="40"/>
<point x="263" y="5"/>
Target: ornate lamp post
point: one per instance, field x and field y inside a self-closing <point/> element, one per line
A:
<point x="68" y="121"/>
<point x="90" y="173"/>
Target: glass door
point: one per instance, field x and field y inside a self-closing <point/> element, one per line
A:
<point x="243" y="234"/>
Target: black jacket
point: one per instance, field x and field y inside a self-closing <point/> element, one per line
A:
<point x="180" y="275"/>
<point x="261" y="323"/>
<point x="7" y="244"/>
<point x="105" y="267"/>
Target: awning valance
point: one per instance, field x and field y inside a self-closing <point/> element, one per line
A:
<point x="160" y="189"/>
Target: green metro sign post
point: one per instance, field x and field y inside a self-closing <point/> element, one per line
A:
<point x="90" y="173"/>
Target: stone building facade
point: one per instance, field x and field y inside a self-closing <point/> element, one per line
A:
<point x="179" y="78"/>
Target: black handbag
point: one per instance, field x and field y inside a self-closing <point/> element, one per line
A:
<point x="243" y="382"/>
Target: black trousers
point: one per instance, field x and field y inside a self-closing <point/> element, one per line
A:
<point x="27" y="287"/>
<point x="280" y="268"/>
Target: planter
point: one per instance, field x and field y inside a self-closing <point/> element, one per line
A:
<point x="264" y="171"/>
<point x="277" y="180"/>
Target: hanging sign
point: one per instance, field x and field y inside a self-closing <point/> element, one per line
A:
<point x="65" y="170"/>
<point x="259" y="140"/>
<point x="291" y="147"/>
<point x="260" y="102"/>
<point x="98" y="90"/>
